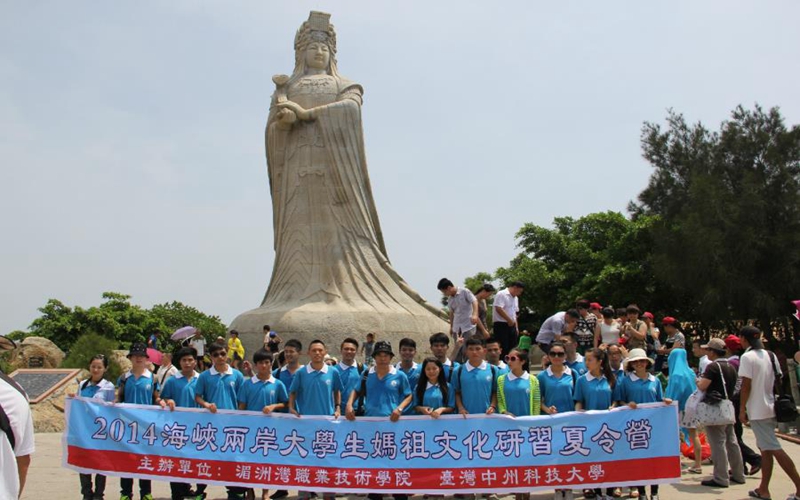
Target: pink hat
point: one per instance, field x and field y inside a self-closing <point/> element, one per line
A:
<point x="669" y="320"/>
<point x="648" y="315"/>
<point x="596" y="305"/>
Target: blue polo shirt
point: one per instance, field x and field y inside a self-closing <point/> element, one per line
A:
<point x="476" y="385"/>
<point x="220" y="388"/>
<point x="256" y="393"/>
<point x="517" y="391"/>
<point x="314" y="390"/>
<point x="501" y="368"/>
<point x="413" y="378"/>
<point x="181" y="390"/>
<point x="638" y="390"/>
<point x="350" y="377"/>
<point x="433" y="397"/>
<point x="138" y="390"/>
<point x="384" y="395"/>
<point x="448" y="367"/>
<point x="284" y="375"/>
<point x="103" y="390"/>
<point x="593" y="392"/>
<point x="557" y="391"/>
<point x="578" y="366"/>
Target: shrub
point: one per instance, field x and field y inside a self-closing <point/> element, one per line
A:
<point x="89" y="345"/>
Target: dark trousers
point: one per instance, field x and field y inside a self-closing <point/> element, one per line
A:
<point x="653" y="490"/>
<point x="99" y="485"/>
<point x="235" y="492"/>
<point x="126" y="486"/>
<point x="506" y="335"/>
<point x="374" y="496"/>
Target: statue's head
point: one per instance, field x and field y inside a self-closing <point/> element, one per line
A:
<point x="315" y="44"/>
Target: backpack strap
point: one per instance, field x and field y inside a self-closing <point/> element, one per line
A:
<point x="777" y="384"/>
<point x="362" y="393"/>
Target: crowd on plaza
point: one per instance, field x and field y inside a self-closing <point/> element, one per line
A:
<point x="594" y="358"/>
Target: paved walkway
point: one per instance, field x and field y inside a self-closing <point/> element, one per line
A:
<point x="48" y="480"/>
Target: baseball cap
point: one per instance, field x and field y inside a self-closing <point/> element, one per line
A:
<point x="715" y="344"/>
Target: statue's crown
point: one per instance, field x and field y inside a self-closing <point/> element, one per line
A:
<point x="317" y="29"/>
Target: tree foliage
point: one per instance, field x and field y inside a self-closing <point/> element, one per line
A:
<point x="728" y="208"/>
<point x="118" y="320"/>
<point x="89" y="345"/>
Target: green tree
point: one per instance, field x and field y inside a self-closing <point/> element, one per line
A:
<point x="89" y="345"/>
<point x="602" y="256"/>
<point x="727" y="208"/>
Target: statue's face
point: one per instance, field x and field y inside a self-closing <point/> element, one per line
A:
<point x="317" y="55"/>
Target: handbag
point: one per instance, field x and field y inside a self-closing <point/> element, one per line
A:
<point x="785" y="409"/>
<point x="689" y="417"/>
<point x="721" y="413"/>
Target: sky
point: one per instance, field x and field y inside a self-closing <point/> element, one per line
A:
<point x="132" y="133"/>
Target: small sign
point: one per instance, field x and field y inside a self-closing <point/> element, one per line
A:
<point x="36" y="362"/>
<point x="40" y="383"/>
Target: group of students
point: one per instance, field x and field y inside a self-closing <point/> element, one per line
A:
<point x="483" y="384"/>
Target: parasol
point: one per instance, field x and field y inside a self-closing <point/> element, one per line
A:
<point x="183" y="333"/>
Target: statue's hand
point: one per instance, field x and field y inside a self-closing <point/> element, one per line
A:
<point x="287" y="116"/>
<point x="296" y="108"/>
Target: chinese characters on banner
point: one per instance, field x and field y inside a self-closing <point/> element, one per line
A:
<point x="414" y="455"/>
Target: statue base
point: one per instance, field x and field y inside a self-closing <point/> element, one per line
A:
<point x="320" y="321"/>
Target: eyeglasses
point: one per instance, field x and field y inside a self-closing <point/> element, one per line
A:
<point x="554" y="354"/>
<point x="512" y="358"/>
<point x="219" y="354"/>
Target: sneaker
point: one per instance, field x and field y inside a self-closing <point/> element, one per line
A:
<point x="279" y="494"/>
<point x="124" y="497"/>
<point x="654" y="497"/>
<point x="147" y="497"/>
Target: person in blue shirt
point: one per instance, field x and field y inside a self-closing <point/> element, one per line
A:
<point x="595" y="391"/>
<point x="387" y="394"/>
<point x="575" y="361"/>
<point x="316" y="390"/>
<point x="152" y="340"/>
<point x="639" y="386"/>
<point x="440" y="344"/>
<point x="475" y="382"/>
<point x="433" y="395"/>
<point x="137" y="386"/>
<point x="179" y="392"/>
<point x="349" y="370"/>
<point x="557" y="382"/>
<point x="96" y="387"/>
<point x="217" y="389"/>
<point x="493" y="352"/>
<point x="407" y="365"/>
<point x="518" y="392"/>
<point x="264" y="393"/>
<point x="291" y="356"/>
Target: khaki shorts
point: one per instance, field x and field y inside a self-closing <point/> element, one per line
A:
<point x="765" y="434"/>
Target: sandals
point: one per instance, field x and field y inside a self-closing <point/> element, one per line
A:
<point x="756" y="494"/>
<point x="695" y="470"/>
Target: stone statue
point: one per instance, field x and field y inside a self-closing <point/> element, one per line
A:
<point x="332" y="277"/>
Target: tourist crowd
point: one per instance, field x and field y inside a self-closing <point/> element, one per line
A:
<point x="592" y="358"/>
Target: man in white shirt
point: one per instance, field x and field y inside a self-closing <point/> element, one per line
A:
<point x="17" y="426"/>
<point x="463" y="313"/>
<point x="506" y="308"/>
<point x="757" y="370"/>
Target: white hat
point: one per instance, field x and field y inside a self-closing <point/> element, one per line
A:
<point x="635" y="355"/>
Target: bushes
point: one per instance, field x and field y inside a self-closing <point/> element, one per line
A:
<point x="89" y="345"/>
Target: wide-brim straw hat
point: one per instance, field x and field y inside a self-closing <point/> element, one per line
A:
<point x="636" y="355"/>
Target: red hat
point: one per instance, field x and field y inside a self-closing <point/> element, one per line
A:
<point x="595" y="305"/>
<point x="648" y="314"/>
<point x="669" y="320"/>
<point x="733" y="343"/>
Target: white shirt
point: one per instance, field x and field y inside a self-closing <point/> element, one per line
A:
<point x="702" y="364"/>
<point x="755" y="364"/>
<point x="508" y="303"/>
<point x="199" y="345"/>
<point x="164" y="373"/>
<point x="16" y="406"/>
<point x="461" y="306"/>
<point x="551" y="327"/>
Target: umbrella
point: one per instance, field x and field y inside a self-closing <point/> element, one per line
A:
<point x="183" y="333"/>
<point x="154" y="356"/>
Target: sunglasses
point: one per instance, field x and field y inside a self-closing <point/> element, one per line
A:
<point x="554" y="354"/>
<point x="219" y="354"/>
<point x="512" y="358"/>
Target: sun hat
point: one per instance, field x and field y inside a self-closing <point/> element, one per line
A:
<point x="636" y="355"/>
<point x="714" y="344"/>
<point x="382" y="346"/>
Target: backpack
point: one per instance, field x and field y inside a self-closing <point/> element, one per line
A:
<point x="5" y="423"/>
